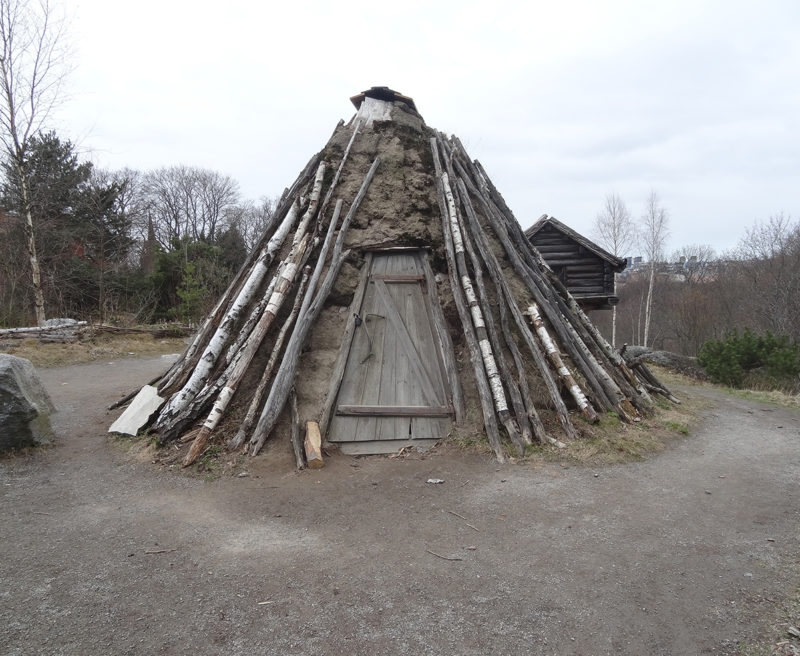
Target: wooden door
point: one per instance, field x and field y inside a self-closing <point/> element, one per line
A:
<point x="393" y="390"/>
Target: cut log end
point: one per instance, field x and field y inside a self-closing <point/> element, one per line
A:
<point x="197" y="446"/>
<point x="313" y="446"/>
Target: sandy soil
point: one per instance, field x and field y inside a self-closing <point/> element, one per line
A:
<point x="689" y="552"/>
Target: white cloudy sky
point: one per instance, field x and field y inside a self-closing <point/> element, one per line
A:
<point x="563" y="102"/>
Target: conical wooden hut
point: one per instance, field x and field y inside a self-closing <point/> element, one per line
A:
<point x="392" y="301"/>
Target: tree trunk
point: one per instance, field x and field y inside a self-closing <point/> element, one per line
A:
<point x="648" y="303"/>
<point x="614" y="326"/>
<point x="558" y="364"/>
<point x="36" y="276"/>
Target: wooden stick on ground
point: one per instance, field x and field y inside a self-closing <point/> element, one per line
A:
<point x="297" y="444"/>
<point x="313" y="446"/>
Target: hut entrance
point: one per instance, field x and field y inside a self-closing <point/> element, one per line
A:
<point x="393" y="392"/>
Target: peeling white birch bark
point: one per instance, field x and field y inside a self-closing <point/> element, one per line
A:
<point x="244" y="358"/>
<point x="489" y="363"/>
<point x="558" y="364"/>
<point x="199" y="376"/>
<point x="312" y="206"/>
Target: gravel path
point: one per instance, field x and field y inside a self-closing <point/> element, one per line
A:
<point x="688" y="552"/>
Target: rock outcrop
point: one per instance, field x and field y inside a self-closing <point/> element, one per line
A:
<point x="25" y="406"/>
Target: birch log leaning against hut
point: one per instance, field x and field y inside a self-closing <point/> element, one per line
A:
<point x="510" y="303"/>
<point x="184" y="364"/>
<point x="478" y="321"/>
<point x="180" y="370"/>
<point x="252" y="410"/>
<point x="300" y="304"/>
<point x="532" y="275"/>
<point x="308" y="314"/>
<point x="493" y="268"/>
<point x="522" y="439"/>
<point x="243" y="362"/>
<point x="620" y="383"/>
<point x="558" y="364"/>
<point x="606" y="388"/>
<point x="481" y="382"/>
<point x="280" y="287"/>
<point x="297" y="443"/>
<point x="223" y="332"/>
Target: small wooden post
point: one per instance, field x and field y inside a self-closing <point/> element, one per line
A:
<point x="313" y="446"/>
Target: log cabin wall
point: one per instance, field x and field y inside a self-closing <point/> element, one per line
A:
<point x="579" y="264"/>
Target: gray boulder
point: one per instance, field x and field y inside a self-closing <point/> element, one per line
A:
<point x="25" y="406"/>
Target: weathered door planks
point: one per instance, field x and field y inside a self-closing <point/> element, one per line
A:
<point x="398" y="392"/>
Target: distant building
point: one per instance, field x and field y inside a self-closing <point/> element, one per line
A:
<point x="585" y="269"/>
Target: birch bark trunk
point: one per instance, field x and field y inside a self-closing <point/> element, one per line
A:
<point x="33" y="257"/>
<point x="648" y="303"/>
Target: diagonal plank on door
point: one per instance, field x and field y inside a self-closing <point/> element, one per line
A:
<point x="393" y="316"/>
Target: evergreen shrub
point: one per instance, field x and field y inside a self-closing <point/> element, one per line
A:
<point x="749" y="360"/>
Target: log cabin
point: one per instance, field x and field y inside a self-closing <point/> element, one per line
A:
<point x="587" y="270"/>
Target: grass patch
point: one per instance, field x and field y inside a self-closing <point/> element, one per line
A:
<point x="98" y="348"/>
<point x="210" y="463"/>
<point x="770" y="397"/>
<point x="683" y="429"/>
<point x="612" y="441"/>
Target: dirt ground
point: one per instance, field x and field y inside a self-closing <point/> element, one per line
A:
<point x="693" y="551"/>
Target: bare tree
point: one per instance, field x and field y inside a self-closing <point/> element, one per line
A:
<point x="614" y="231"/>
<point x="184" y="201"/>
<point x="691" y="299"/>
<point x="768" y="266"/>
<point x="697" y="263"/>
<point x="653" y="235"/>
<point x="32" y="70"/>
<point x="251" y="218"/>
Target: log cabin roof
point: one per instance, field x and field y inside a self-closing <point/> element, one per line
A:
<point x="617" y="263"/>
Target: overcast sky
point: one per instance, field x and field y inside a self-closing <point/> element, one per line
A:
<point x="562" y="102"/>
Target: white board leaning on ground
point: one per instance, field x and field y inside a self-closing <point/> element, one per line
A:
<point x="139" y="413"/>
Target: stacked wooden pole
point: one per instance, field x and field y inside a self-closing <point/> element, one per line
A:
<point x="205" y="379"/>
<point x="589" y="373"/>
<point x="518" y="322"/>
